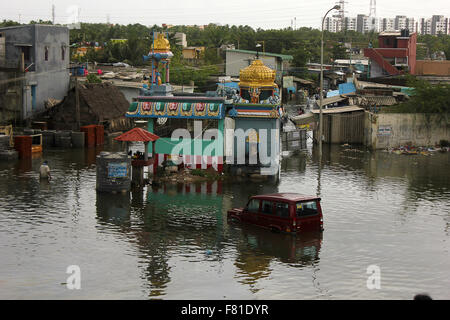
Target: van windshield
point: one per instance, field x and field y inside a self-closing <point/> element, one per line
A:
<point x="304" y="209"/>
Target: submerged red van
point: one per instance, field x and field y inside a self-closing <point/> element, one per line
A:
<point x="285" y="212"/>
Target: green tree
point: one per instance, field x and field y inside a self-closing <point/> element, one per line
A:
<point x="426" y="98"/>
<point x="338" y="51"/>
<point x="301" y="58"/>
<point x="8" y="23"/>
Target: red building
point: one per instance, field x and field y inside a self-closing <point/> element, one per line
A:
<point x="396" y="54"/>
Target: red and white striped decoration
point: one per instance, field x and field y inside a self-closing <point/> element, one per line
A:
<point x="191" y="162"/>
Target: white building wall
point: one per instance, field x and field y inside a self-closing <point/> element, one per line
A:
<point x="235" y="61"/>
<point x="350" y="24"/>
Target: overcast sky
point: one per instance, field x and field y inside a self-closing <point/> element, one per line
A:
<point x="256" y="13"/>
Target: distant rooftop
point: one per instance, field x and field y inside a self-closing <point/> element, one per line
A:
<point x="32" y="25"/>
<point x="391" y="33"/>
<point x="281" y="56"/>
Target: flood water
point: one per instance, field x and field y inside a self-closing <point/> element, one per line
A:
<point x="382" y="209"/>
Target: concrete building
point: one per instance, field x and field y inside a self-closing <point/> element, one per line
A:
<point x="350" y="24"/>
<point x="366" y="24"/>
<point x="396" y="54"/>
<point x="437" y="68"/>
<point x="332" y="24"/>
<point x="403" y="22"/>
<point x="425" y="26"/>
<point x="435" y="25"/>
<point x="240" y="59"/>
<point x="387" y="24"/>
<point x="400" y="23"/>
<point x="38" y="57"/>
<point x="193" y="53"/>
<point x="363" y="23"/>
<point x="439" y="25"/>
<point x="181" y="39"/>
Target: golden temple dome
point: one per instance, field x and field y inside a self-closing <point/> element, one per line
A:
<point x="257" y="75"/>
<point x="161" y="43"/>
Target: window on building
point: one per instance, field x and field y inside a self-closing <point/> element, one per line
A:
<point x="46" y="53"/>
<point x="26" y="53"/>
<point x="2" y="48"/>
<point x="63" y="52"/>
<point x="402" y="61"/>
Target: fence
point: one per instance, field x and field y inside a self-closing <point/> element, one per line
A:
<point x="344" y="128"/>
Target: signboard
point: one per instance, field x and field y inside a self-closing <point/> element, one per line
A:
<point x="288" y="81"/>
<point x="117" y="170"/>
<point x="384" y="130"/>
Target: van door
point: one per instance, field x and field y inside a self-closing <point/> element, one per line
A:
<point x="308" y="216"/>
<point x="282" y="216"/>
<point x="251" y="211"/>
<point x="266" y="219"/>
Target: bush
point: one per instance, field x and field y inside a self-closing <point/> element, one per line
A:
<point x="92" y="78"/>
<point x="427" y="98"/>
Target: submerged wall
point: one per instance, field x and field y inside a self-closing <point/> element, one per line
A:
<point x="391" y="130"/>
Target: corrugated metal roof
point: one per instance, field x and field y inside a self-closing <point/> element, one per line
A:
<point x="331" y="100"/>
<point x="304" y="118"/>
<point x="376" y="100"/>
<point x="339" y="109"/>
<point x="303" y="81"/>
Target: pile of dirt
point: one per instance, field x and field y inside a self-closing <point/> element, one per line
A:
<point x="100" y="103"/>
<point x="185" y="175"/>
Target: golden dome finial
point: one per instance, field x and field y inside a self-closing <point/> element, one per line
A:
<point x="257" y="75"/>
<point x="161" y="43"/>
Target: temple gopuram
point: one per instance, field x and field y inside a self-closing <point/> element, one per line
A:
<point x="204" y="131"/>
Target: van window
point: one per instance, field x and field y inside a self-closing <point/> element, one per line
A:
<point x="282" y="210"/>
<point x="267" y="207"/>
<point x="306" y="208"/>
<point x="253" y="205"/>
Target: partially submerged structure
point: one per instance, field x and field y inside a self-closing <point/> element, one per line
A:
<point x="238" y="129"/>
<point x="34" y="61"/>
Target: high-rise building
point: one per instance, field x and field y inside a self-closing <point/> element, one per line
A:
<point x="366" y="24"/>
<point x="403" y="22"/>
<point x="435" y="25"/>
<point x="332" y="24"/>
<point x="400" y="22"/>
<point x="439" y="24"/>
<point x="387" y="24"/>
<point x="425" y="26"/>
<point x="411" y="24"/>
<point x="350" y="24"/>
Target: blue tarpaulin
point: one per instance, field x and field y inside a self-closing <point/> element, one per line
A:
<point x="345" y="88"/>
<point x="332" y="93"/>
<point x="233" y="85"/>
<point x="291" y="89"/>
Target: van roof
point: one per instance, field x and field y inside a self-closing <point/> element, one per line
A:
<point x="286" y="196"/>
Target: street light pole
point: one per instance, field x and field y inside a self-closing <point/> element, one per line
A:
<point x="336" y="7"/>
